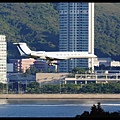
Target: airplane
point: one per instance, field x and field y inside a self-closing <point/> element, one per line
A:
<point x="50" y="57"/>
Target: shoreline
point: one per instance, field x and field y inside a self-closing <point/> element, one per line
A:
<point x="59" y="96"/>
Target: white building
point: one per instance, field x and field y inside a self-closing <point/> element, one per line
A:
<point x="115" y="63"/>
<point x="3" y="59"/>
<point x="102" y="61"/>
<point x="106" y="61"/>
<point x="76" y="33"/>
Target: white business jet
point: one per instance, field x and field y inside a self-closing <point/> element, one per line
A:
<point x="51" y="56"/>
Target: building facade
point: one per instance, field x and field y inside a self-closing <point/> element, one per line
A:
<point x="107" y="62"/>
<point x="42" y="66"/>
<point x="9" y="67"/>
<point x="76" y="33"/>
<point x="21" y="65"/>
<point x="3" y="59"/>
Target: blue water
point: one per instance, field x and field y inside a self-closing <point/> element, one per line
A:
<point x="52" y="108"/>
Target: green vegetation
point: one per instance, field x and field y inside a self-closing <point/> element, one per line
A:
<point x="37" y="24"/>
<point x="32" y="71"/>
<point x="69" y="88"/>
<point x="98" y="112"/>
<point x="3" y="88"/>
<point x="107" y="34"/>
<point x="91" y="88"/>
<point x="33" y="23"/>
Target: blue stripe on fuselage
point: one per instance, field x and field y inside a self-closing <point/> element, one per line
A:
<point x="21" y="49"/>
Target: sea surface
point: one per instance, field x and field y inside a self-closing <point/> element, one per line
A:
<point x="53" y="107"/>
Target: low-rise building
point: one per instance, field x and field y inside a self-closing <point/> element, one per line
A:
<point x="21" y="65"/>
<point x="106" y="61"/>
<point x="102" y="61"/>
<point x="20" y="77"/>
<point x="94" y="78"/>
<point x="50" y="78"/>
<point x="9" y="67"/>
<point x="115" y="63"/>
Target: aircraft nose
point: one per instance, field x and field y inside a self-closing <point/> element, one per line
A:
<point x="95" y="55"/>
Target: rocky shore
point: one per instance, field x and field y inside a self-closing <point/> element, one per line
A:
<point x="59" y="96"/>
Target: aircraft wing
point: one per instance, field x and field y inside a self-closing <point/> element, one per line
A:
<point x="56" y="58"/>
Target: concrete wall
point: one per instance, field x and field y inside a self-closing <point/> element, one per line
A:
<point x="50" y="77"/>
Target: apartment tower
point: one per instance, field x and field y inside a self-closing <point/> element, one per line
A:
<point x="76" y="33"/>
<point x="3" y="59"/>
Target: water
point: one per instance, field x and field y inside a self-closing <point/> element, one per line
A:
<point x="52" y="107"/>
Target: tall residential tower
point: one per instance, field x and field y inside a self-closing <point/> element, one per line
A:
<point x="3" y="59"/>
<point x="76" y="33"/>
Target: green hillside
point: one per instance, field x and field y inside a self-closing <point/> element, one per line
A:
<point x="33" y="23"/>
<point x="37" y="24"/>
<point x="107" y="33"/>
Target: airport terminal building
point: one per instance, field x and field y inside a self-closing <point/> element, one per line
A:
<point x="76" y="33"/>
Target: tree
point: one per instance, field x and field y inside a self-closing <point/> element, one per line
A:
<point x="28" y="71"/>
<point x="93" y="109"/>
<point x="33" y="70"/>
<point x="33" y="87"/>
<point x="98" y="112"/>
<point x="99" y="108"/>
<point x="85" y="114"/>
<point x="41" y="71"/>
<point x="78" y="70"/>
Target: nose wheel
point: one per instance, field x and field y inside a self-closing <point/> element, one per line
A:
<point x="50" y="64"/>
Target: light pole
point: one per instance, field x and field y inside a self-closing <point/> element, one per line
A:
<point x="12" y="86"/>
<point x="60" y="87"/>
<point x="40" y="84"/>
<point x="26" y="86"/>
<point x="81" y="84"/>
<point x="7" y="86"/>
<point x="18" y="88"/>
<point x="3" y="87"/>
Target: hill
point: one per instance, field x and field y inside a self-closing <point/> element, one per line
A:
<point x="107" y="33"/>
<point x="33" y="23"/>
<point x="37" y="24"/>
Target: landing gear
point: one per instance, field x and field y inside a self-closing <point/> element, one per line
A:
<point x="52" y="63"/>
<point x="49" y="63"/>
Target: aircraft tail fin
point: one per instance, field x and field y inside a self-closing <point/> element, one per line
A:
<point x="23" y="49"/>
